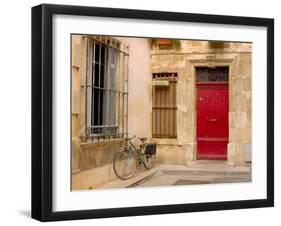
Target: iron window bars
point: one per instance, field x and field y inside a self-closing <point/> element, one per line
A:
<point x="106" y="89"/>
<point x="164" y="106"/>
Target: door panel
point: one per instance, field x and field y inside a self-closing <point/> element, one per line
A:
<point x="212" y="120"/>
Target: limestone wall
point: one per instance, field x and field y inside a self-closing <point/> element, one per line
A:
<point x="237" y="56"/>
<point x="78" y="77"/>
<point x="240" y="111"/>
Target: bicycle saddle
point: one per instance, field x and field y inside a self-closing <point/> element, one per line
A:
<point x="143" y="139"/>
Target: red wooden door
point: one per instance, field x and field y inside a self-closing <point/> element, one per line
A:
<point x="212" y="120"/>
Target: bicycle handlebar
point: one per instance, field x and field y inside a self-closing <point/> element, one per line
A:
<point x="134" y="136"/>
<point x="129" y="138"/>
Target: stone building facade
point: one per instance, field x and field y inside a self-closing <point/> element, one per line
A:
<point x="136" y="70"/>
<point x="184" y="61"/>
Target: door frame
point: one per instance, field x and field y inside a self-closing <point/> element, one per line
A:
<point x="202" y="61"/>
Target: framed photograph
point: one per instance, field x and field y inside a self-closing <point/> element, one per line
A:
<point x="145" y="112"/>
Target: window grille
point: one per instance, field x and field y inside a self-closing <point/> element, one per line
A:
<point x="218" y="74"/>
<point x="106" y="89"/>
<point x="164" y="105"/>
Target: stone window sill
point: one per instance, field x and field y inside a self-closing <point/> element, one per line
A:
<point x="86" y="145"/>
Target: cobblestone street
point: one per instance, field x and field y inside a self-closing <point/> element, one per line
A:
<point x="199" y="172"/>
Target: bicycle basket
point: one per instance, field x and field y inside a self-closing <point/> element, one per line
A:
<point x="150" y="149"/>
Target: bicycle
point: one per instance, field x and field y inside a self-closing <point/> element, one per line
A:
<point x="128" y="158"/>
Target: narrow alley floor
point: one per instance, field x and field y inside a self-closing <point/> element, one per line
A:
<point x="198" y="172"/>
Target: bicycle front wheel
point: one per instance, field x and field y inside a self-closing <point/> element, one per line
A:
<point x="125" y="164"/>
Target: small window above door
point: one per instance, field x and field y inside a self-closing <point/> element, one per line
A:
<point x="218" y="74"/>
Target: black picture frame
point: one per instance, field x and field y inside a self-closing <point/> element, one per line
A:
<point x="42" y="107"/>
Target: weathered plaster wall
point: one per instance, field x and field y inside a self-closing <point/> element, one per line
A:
<point x="92" y="162"/>
<point x="139" y="101"/>
<point x="95" y="164"/>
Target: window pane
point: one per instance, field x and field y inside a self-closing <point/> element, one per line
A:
<point x="202" y="75"/>
<point x="223" y="74"/>
<point x="102" y="54"/>
<point x="97" y="53"/>
<point x="218" y="74"/>
<point x="213" y="76"/>
<point x="102" y="77"/>
<point x="96" y="72"/>
<point x="109" y="84"/>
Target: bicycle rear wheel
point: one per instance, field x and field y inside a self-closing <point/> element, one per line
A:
<point x="148" y="161"/>
<point x="148" y="155"/>
<point x="125" y="164"/>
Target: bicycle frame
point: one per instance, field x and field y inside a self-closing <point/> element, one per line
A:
<point x="136" y="151"/>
